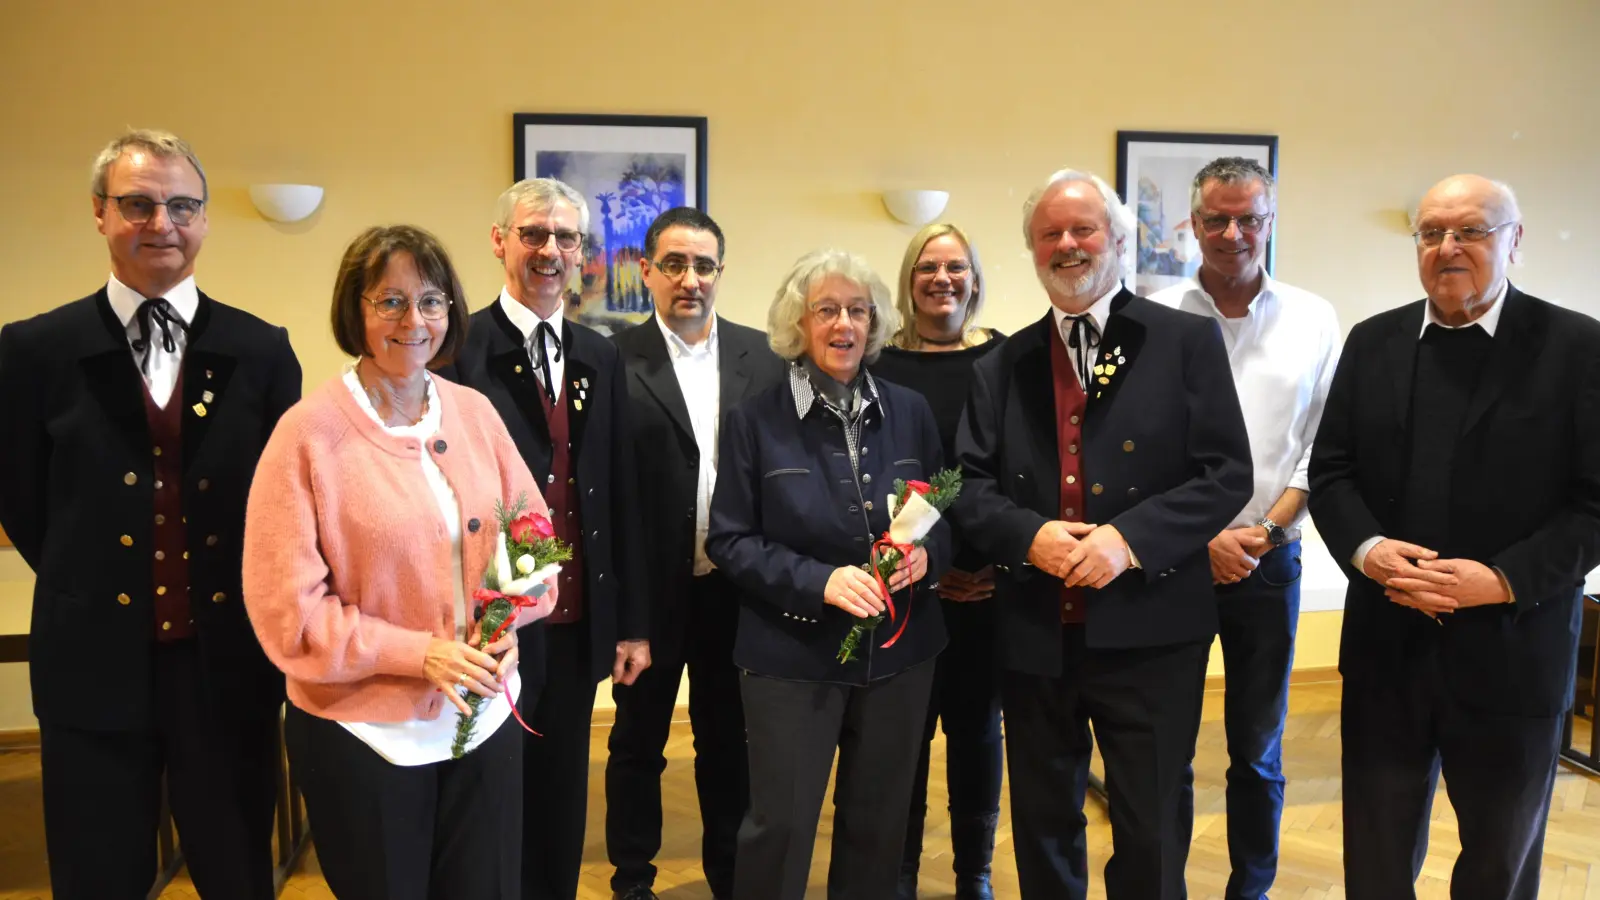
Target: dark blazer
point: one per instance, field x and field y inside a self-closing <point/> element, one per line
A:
<point x="1165" y="449"/>
<point x="1526" y="477"/>
<point x="789" y="510"/>
<point x="76" y="428"/>
<point x="495" y="362"/>
<point x="665" y="454"/>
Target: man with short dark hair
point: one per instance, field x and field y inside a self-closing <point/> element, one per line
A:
<point x="686" y="367"/>
<point x="134" y="420"/>
<point x="1283" y="344"/>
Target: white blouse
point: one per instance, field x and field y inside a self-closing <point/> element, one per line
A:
<point x="420" y="742"/>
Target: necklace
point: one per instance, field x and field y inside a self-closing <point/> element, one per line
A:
<point x="377" y="398"/>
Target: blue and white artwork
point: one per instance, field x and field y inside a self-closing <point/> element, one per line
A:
<point x="630" y="169"/>
<point x="626" y="191"/>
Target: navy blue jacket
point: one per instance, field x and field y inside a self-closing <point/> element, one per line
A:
<point x="788" y="510"/>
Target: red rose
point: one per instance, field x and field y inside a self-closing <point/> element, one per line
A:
<point x="530" y="528"/>
<point x="919" y="487"/>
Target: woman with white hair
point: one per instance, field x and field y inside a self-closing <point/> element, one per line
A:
<point x="805" y="468"/>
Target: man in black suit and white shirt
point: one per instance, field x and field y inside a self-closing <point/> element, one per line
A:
<point x="686" y="367"/>
<point x="1103" y="448"/>
<point x="562" y="390"/>
<point x="135" y="417"/>
<point x="1456" y="477"/>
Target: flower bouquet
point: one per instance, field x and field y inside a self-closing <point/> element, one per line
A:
<point x="914" y="508"/>
<point x="526" y="555"/>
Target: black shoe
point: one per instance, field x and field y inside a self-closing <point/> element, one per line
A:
<point x="972" y="846"/>
<point x="906" y="889"/>
<point x="637" y="892"/>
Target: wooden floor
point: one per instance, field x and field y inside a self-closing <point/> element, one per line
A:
<point x="1311" y="839"/>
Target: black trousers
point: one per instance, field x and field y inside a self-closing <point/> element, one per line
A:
<point x="701" y="638"/>
<point x="966" y="698"/>
<point x="102" y="793"/>
<point x="1257" y="619"/>
<point x="445" y="831"/>
<point x="794" y="728"/>
<point x="1399" y="734"/>
<point x="555" y="766"/>
<point x="1144" y="705"/>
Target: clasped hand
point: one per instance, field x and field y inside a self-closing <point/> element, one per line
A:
<point x="449" y="665"/>
<point x="1079" y="553"/>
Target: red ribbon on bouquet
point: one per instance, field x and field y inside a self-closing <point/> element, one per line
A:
<point x="520" y="601"/>
<point x="887" y="543"/>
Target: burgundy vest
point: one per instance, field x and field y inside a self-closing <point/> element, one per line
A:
<point x="561" y="495"/>
<point x="1071" y="401"/>
<point x="170" y="568"/>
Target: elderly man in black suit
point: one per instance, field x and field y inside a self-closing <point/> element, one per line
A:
<point x="562" y="390"/>
<point x="687" y="366"/>
<point x="135" y="417"/>
<point x="1456" y="476"/>
<point x="1103" y="448"/>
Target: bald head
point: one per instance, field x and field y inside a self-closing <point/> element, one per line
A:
<point x="1493" y="197"/>
<point x="1463" y="277"/>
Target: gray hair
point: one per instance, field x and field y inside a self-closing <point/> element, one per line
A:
<point x="784" y="333"/>
<point x="161" y="144"/>
<point x="1118" y="215"/>
<point x="540" y="194"/>
<point x="1233" y="170"/>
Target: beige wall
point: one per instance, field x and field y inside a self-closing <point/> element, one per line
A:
<point x="402" y="110"/>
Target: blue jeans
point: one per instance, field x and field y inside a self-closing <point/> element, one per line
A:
<point x="1256" y="621"/>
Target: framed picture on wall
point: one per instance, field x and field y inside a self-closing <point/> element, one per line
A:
<point x="1155" y="170"/>
<point x="630" y="169"/>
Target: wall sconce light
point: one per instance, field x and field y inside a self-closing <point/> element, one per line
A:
<point x="915" y="208"/>
<point x="286" y="202"/>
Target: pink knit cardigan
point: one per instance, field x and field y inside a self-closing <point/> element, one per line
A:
<point x="347" y="564"/>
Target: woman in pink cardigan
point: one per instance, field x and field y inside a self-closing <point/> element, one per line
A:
<point x="371" y="520"/>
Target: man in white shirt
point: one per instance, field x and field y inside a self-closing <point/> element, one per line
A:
<point x="686" y="367"/>
<point x="135" y="417"/>
<point x="1283" y="346"/>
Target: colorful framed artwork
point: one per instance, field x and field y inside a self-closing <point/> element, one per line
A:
<point x="630" y="169"/>
<point x="1155" y="170"/>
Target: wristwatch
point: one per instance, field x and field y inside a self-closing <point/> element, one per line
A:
<point x="1276" y="536"/>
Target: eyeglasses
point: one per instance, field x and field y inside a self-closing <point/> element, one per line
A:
<point x="955" y="267"/>
<point x="1249" y="223"/>
<point x="828" y="313"/>
<point x="534" y="237"/>
<point x="1472" y="234"/>
<point x="393" y="307"/>
<point x="674" y="267"/>
<point x="138" y="209"/>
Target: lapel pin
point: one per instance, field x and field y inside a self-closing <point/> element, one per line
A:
<point x="208" y="373"/>
<point x="517" y="369"/>
<point x="585" y="383"/>
<point x="577" y="404"/>
<point x="207" y="397"/>
<point x="199" y="410"/>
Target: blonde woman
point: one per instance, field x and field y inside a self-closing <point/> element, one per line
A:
<point x="940" y="297"/>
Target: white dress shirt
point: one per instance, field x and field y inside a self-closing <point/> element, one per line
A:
<point x="526" y="321"/>
<point x="420" y="742"/>
<point x="699" y="380"/>
<point x="164" y="366"/>
<point x="1098" y="313"/>
<point x="1283" y="352"/>
<point x="1489" y="321"/>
